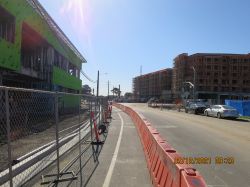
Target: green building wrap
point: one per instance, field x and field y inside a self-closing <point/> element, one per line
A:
<point x="62" y="78"/>
<point x="69" y="101"/>
<point x="9" y="56"/>
<point x="23" y="12"/>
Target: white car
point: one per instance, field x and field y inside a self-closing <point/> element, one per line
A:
<point x="221" y="111"/>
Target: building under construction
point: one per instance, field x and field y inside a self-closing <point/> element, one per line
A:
<point x="35" y="53"/>
<point x="213" y="76"/>
<point x="156" y="84"/>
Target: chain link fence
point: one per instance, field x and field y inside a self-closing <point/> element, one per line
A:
<point x="48" y="134"/>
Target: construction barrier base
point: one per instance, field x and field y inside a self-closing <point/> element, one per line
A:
<point x="161" y="157"/>
<point x="97" y="142"/>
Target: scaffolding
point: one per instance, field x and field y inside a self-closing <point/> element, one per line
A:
<point x="152" y="84"/>
<point x="215" y="76"/>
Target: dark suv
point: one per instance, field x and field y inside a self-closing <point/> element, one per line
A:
<point x="195" y="107"/>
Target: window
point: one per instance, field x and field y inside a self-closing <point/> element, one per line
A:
<point x="7" y="25"/>
<point x="215" y="80"/>
<point x="234" y="81"/>
<point x="200" y="74"/>
<point x="225" y="89"/>
<point x="214" y="107"/>
<point x="215" y="67"/>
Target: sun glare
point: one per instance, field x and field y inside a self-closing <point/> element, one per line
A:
<point x="77" y="14"/>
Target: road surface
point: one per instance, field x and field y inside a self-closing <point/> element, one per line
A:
<point x="200" y="136"/>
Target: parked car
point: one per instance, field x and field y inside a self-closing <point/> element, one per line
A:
<point x="195" y="107"/>
<point x="222" y="111"/>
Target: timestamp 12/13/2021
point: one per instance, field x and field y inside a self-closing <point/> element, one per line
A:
<point x="205" y="160"/>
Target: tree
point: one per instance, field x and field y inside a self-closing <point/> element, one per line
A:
<point x="128" y="95"/>
<point x="86" y="89"/>
<point x="116" y="91"/>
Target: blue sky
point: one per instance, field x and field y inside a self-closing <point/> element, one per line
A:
<point x="118" y="36"/>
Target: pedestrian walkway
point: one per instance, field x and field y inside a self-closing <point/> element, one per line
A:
<point x="121" y="161"/>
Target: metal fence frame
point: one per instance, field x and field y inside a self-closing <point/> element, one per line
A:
<point x="11" y="173"/>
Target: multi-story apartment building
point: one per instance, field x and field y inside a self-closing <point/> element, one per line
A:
<point x="214" y="75"/>
<point x="156" y="84"/>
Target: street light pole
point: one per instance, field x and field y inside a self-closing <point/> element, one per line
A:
<point x="194" y="82"/>
<point x="191" y="85"/>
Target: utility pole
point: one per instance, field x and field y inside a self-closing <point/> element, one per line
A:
<point x="97" y="90"/>
<point x="141" y="70"/>
<point x="108" y="89"/>
<point x="119" y="91"/>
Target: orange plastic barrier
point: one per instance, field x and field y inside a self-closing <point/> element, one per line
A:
<point x="105" y="116"/>
<point x="95" y="127"/>
<point x="160" y="156"/>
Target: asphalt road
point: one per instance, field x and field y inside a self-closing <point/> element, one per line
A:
<point x="200" y="136"/>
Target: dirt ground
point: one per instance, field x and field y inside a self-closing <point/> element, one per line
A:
<point x="28" y="143"/>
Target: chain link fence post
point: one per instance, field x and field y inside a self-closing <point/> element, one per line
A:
<point x="57" y="136"/>
<point x="95" y="112"/>
<point x="90" y="119"/>
<point x="7" y="105"/>
<point x="80" y="150"/>
<point x="99" y="111"/>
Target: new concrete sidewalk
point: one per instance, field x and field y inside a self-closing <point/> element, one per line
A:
<point x="121" y="161"/>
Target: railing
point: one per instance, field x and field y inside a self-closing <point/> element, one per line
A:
<point x="45" y="134"/>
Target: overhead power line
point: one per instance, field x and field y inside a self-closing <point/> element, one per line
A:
<point x="87" y="77"/>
